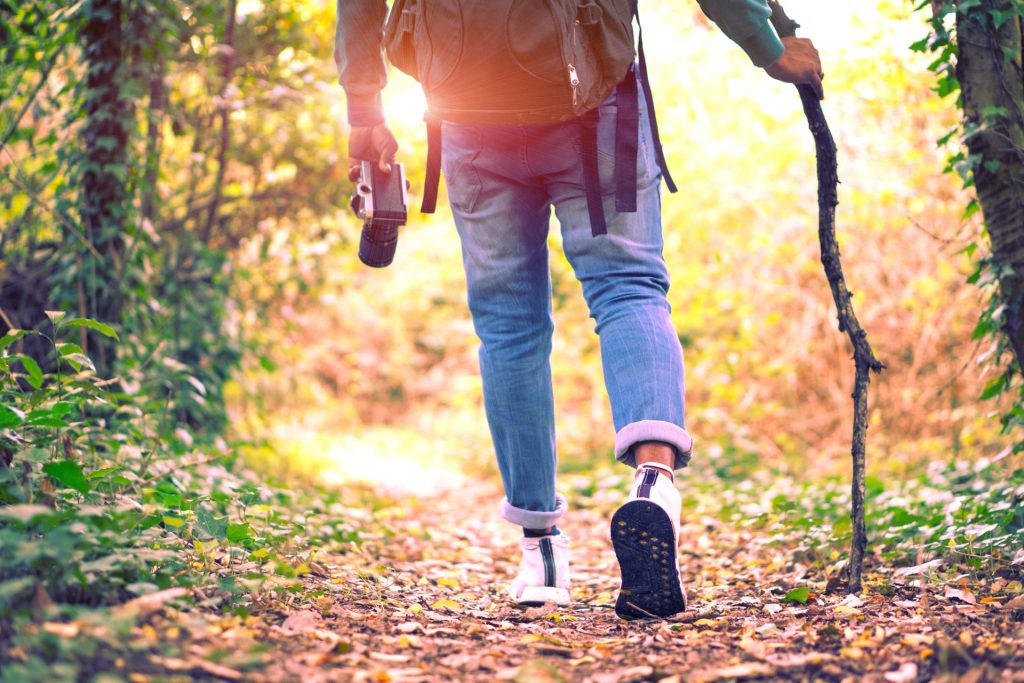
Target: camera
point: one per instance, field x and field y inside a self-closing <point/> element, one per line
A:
<point x="381" y="201"/>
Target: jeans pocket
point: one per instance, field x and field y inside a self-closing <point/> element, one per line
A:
<point x="461" y="149"/>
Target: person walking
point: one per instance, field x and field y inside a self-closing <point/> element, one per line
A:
<point x="509" y="155"/>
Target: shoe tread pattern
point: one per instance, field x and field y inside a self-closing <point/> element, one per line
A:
<point x="644" y="543"/>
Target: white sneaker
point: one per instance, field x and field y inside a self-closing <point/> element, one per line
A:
<point x="543" y="572"/>
<point x="645" y="535"/>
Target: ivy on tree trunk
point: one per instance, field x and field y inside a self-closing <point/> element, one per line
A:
<point x="989" y="69"/>
<point x="104" y="174"/>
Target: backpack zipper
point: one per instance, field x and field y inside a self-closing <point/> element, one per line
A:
<point x="574" y="81"/>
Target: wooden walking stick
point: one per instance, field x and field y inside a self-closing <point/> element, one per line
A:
<point x="863" y="357"/>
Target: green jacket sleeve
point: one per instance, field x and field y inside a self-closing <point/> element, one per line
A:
<point x="746" y="23"/>
<point x="360" y="60"/>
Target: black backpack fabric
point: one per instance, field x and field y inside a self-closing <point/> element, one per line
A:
<point x="509" y="62"/>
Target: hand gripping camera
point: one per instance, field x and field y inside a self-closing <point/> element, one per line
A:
<point x="381" y="201"/>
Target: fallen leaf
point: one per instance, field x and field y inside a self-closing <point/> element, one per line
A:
<point x="305" y="620"/>
<point x="961" y="594"/>
<point x="390" y="658"/>
<point x="906" y="673"/>
<point x="919" y="569"/>
<point x="147" y="604"/>
<point x="742" y="671"/>
<point x="1015" y="604"/>
<point x="538" y="671"/>
<point x="845" y="610"/>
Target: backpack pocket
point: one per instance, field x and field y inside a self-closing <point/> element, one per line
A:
<point x="606" y="27"/>
<point x="429" y="51"/>
<point x="398" y="41"/>
<point x="600" y="48"/>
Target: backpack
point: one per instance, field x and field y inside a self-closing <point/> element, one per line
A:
<point x="513" y="62"/>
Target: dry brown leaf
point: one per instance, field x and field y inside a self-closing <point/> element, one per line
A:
<point x="905" y="674"/>
<point x="305" y="620"/>
<point x="741" y="671"/>
<point x="961" y="594"/>
<point x="147" y="604"/>
<point x="390" y="658"/>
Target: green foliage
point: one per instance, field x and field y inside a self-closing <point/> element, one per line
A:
<point x="99" y="502"/>
<point x="969" y="515"/>
<point x="1007" y="387"/>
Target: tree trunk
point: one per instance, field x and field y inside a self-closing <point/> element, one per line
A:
<point x="227" y="64"/>
<point x="104" y="194"/>
<point x="992" y="84"/>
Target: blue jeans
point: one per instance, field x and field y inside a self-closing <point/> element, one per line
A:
<point x="502" y="182"/>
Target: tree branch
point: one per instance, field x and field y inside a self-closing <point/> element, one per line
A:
<point x="32" y="96"/>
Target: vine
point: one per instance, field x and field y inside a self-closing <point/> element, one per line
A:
<point x="976" y="45"/>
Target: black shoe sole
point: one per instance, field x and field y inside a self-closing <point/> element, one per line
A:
<point x="645" y="547"/>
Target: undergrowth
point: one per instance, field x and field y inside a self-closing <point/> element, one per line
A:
<point x="102" y="501"/>
<point x="961" y="517"/>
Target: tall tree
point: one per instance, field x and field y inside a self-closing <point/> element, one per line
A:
<point x="104" y="199"/>
<point x="991" y="76"/>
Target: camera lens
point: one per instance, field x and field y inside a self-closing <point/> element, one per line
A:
<point x="377" y="244"/>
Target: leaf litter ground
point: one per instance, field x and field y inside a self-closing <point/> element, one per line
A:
<point x="421" y="598"/>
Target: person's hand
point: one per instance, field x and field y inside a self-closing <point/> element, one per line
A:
<point x="371" y="143"/>
<point x="799" y="65"/>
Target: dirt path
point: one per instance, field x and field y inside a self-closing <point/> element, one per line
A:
<point x="423" y="601"/>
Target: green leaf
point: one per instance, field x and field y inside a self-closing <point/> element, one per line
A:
<point x="238" y="532"/>
<point x="35" y="373"/>
<point x="49" y="417"/>
<point x="69" y="473"/>
<point x="13" y="336"/>
<point x="10" y="417"/>
<point x="799" y="595"/>
<point x="994" y="388"/>
<point x="78" y="361"/>
<point x="66" y="348"/>
<point x="105" y="330"/>
<point x="49" y="421"/>
<point x="103" y="473"/>
<point x="55" y="316"/>
<point x="173" y="522"/>
<point x="210" y="524"/>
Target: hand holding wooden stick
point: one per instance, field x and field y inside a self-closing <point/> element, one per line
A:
<point x="863" y="357"/>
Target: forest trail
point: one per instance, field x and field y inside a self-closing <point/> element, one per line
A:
<point x="424" y="601"/>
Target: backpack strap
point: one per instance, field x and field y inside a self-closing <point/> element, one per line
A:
<point x="627" y="134"/>
<point x="433" y="175"/>
<point x="591" y="180"/>
<point x="646" y="84"/>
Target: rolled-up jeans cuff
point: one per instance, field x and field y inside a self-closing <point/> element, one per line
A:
<point x="653" y="430"/>
<point x="533" y="519"/>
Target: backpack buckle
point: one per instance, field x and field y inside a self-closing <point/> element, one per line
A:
<point x="589" y="14"/>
